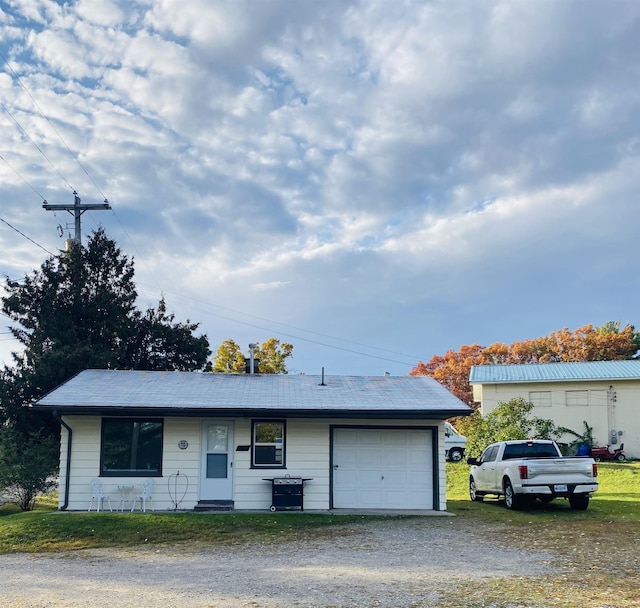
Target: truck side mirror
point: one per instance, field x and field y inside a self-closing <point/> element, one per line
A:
<point x="472" y="461"/>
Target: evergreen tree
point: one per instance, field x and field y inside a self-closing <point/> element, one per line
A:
<point x="78" y="312"/>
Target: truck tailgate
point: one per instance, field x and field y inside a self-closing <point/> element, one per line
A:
<point x="570" y="469"/>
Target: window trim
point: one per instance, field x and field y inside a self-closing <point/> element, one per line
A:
<point x="541" y="398"/>
<point x="254" y="423"/>
<point x="130" y="472"/>
<point x="576" y="398"/>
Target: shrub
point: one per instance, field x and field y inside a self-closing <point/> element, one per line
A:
<point x="28" y="463"/>
<point x="509" y="420"/>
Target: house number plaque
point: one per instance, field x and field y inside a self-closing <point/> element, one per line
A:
<point x="183" y="444"/>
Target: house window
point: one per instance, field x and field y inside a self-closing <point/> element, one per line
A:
<point x="540" y="398"/>
<point x="577" y="398"/>
<point x="268" y="440"/>
<point x="131" y="447"/>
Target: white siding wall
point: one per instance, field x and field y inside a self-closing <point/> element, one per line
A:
<point x="307" y="455"/>
<point x="621" y="416"/>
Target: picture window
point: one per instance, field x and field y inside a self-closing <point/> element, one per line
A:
<point x="131" y="447"/>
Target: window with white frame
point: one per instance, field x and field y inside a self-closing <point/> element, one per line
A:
<point x="577" y="398"/>
<point x="540" y="398"/>
<point x="268" y="444"/>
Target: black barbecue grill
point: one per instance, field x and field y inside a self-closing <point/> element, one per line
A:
<point x="287" y="492"/>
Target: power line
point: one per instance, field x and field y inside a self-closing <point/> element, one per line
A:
<point x="53" y="207"/>
<point x="64" y="179"/>
<point x="25" y="236"/>
<point x="297" y="337"/>
<point x="43" y="114"/>
<point x="20" y="176"/>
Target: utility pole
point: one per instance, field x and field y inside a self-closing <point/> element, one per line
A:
<point x="77" y="209"/>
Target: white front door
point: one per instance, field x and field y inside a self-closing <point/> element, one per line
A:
<point x="382" y="468"/>
<point x="216" y="470"/>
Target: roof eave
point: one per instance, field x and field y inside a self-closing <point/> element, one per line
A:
<point x="135" y="412"/>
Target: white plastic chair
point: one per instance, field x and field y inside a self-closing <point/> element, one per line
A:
<point x="97" y="494"/>
<point x="144" y="496"/>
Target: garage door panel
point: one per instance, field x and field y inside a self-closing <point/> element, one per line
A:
<point x="382" y="468"/>
<point x="369" y="457"/>
<point x="395" y="457"/>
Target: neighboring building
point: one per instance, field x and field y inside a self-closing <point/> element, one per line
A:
<point x="604" y="394"/>
<point x="364" y="442"/>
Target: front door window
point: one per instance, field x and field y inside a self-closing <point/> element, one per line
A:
<point x="217" y="451"/>
<point x="216" y="479"/>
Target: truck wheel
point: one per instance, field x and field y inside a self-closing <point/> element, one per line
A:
<point x="473" y="493"/>
<point x="620" y="457"/>
<point x="579" y="502"/>
<point x="511" y="499"/>
<point x="272" y="508"/>
<point x="455" y="454"/>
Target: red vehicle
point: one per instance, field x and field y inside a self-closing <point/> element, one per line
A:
<point x="602" y="453"/>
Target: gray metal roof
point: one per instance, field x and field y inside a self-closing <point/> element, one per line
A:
<point x="205" y="393"/>
<point x="556" y="372"/>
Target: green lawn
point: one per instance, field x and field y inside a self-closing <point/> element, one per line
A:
<point x="47" y="529"/>
<point x="594" y="552"/>
<point x="618" y="498"/>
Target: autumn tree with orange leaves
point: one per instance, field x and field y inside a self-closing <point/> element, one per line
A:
<point x="607" y="343"/>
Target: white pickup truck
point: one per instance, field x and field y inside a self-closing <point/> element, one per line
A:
<point x="530" y="469"/>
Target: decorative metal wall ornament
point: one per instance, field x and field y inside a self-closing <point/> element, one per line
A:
<point x="178" y="484"/>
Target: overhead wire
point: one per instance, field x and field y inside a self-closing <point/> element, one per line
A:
<point x="42" y="113"/>
<point x="21" y="176"/>
<point x="25" y="236"/>
<point x="293" y="327"/>
<point x="22" y="130"/>
<point x="141" y="258"/>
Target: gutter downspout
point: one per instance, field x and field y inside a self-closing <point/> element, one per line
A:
<point x="68" y="471"/>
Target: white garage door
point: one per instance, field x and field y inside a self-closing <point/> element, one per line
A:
<point x="382" y="469"/>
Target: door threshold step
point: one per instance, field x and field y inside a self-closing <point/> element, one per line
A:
<point x="214" y="505"/>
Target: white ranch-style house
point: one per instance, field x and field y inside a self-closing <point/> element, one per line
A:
<point x="604" y="394"/>
<point x="219" y="440"/>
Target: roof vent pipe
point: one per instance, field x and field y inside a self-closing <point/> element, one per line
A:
<point x="252" y="348"/>
<point x="322" y="382"/>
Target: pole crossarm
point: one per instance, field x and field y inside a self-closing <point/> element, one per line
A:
<point x="83" y="207"/>
<point x="77" y="209"/>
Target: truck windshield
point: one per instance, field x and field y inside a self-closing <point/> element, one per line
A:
<point x="529" y="450"/>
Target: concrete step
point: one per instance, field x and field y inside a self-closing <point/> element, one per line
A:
<point x="214" y="505"/>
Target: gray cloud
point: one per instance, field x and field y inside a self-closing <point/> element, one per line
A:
<point x="411" y="176"/>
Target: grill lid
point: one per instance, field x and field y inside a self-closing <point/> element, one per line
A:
<point x="287" y="481"/>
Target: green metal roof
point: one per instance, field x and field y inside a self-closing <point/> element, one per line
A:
<point x="556" y="372"/>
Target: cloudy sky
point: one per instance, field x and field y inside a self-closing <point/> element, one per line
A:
<point x="375" y="182"/>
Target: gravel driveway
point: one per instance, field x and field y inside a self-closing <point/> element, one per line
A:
<point x="394" y="562"/>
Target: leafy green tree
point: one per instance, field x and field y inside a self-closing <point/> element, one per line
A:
<point x="508" y="420"/>
<point x="229" y="358"/>
<point x="272" y="355"/>
<point x="78" y="312"/>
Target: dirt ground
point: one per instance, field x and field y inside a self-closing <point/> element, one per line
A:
<point x="390" y="563"/>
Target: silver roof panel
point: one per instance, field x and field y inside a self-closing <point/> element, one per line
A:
<point x="149" y="390"/>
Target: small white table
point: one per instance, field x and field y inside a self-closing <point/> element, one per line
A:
<point x="125" y="494"/>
